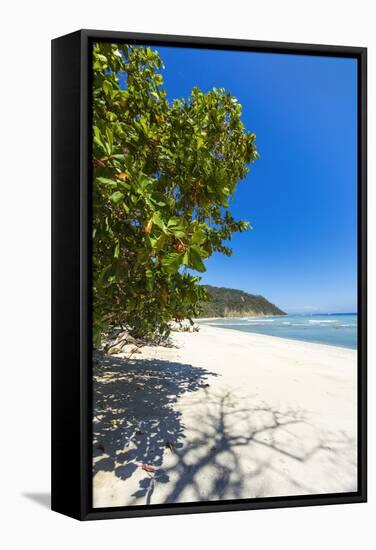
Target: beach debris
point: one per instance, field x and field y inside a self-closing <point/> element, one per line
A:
<point x="100" y="447"/>
<point x="116" y="341"/>
<point x="170" y="446"/>
<point x="114" y="350"/>
<point x="149" y="469"/>
<point x="184" y="326"/>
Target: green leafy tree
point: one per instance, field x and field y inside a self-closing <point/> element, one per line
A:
<point x="163" y="176"/>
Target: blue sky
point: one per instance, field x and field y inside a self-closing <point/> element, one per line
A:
<point x="300" y="196"/>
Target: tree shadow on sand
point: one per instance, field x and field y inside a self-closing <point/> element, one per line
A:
<point x="134" y="421"/>
<point x="285" y="453"/>
<point x="229" y="447"/>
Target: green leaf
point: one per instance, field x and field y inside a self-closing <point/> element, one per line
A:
<point x="149" y="280"/>
<point x="98" y="139"/>
<point x="173" y="221"/>
<point x="104" y="273"/>
<point x="101" y="57"/>
<point x="159" y="243"/>
<point x="175" y="227"/>
<point x="117" y="250"/>
<point x="107" y="87"/>
<point x="119" y="157"/>
<point x="195" y="260"/>
<point x="171" y="262"/>
<point x="110" y="140"/>
<point x="97" y="132"/>
<point x="158" y="199"/>
<point x="116" y="197"/>
<point x="106" y="182"/>
<point x="186" y="258"/>
<point x="198" y="237"/>
<point x="158" y="220"/>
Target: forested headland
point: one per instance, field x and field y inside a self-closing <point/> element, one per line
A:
<point x="229" y="302"/>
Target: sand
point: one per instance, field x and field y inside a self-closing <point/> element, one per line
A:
<point x="224" y="415"/>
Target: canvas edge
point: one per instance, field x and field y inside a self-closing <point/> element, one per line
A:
<point x="86" y="511"/>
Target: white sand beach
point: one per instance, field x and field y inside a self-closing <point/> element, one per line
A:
<point x="224" y="415"/>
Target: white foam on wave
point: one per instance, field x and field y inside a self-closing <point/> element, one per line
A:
<point x="322" y="321"/>
<point x="260" y="321"/>
<point x="254" y="323"/>
<point x="228" y="324"/>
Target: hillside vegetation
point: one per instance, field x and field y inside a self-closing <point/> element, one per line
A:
<point x="229" y="302"/>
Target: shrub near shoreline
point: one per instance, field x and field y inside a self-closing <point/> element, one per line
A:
<point x="163" y="175"/>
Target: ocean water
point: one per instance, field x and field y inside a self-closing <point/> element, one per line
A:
<point x="332" y="329"/>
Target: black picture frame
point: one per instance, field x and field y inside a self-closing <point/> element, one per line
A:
<point x="71" y="276"/>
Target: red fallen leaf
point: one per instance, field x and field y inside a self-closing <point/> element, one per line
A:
<point x="99" y="162"/>
<point x="149" y="469"/>
<point x="122" y="176"/>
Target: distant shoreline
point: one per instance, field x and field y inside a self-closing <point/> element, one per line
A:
<point x="243" y="316"/>
<point x="271" y="315"/>
<point x="329" y="329"/>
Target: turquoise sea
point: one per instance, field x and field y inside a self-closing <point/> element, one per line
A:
<point x="339" y="329"/>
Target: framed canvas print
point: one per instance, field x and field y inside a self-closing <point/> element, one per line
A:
<point x="209" y="274"/>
